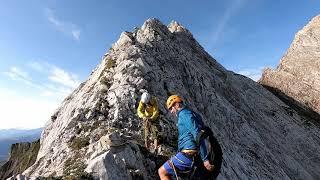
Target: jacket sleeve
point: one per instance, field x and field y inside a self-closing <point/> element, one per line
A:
<point x="141" y="110"/>
<point x="193" y="126"/>
<point x="155" y="113"/>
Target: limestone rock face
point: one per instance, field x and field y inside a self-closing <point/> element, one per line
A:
<point x="298" y="74"/>
<point x="22" y="156"/>
<point x="261" y="137"/>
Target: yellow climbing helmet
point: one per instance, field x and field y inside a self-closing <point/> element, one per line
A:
<point x="173" y="99"/>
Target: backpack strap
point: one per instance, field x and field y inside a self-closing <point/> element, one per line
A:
<point x="203" y="134"/>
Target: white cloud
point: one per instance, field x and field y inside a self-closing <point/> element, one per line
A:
<point x="60" y="76"/>
<point x="56" y="75"/>
<point x="68" y="28"/>
<point x="20" y="75"/>
<point x="221" y="28"/>
<point x="32" y="111"/>
<point x="253" y="73"/>
<point x="17" y="73"/>
<point x="56" y="91"/>
<point x="37" y="66"/>
<point x="18" y="111"/>
<point x="76" y="34"/>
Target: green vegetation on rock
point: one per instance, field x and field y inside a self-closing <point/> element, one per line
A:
<point x="79" y="142"/>
<point x="74" y="168"/>
<point x="22" y="156"/>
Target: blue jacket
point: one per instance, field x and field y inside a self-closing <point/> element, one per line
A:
<point x="189" y="125"/>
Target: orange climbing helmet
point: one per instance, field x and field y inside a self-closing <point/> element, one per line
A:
<point x="173" y="99"/>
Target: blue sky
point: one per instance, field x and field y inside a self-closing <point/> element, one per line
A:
<point x="48" y="47"/>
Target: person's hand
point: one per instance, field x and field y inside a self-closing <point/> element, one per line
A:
<point x="208" y="166"/>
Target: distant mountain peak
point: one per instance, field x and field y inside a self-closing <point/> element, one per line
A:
<point x="298" y="74"/>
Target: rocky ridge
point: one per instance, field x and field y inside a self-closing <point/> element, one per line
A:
<point x="22" y="156"/>
<point x="261" y="137"/>
<point x="298" y="74"/>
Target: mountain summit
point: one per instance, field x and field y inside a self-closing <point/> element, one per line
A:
<point x="298" y="74"/>
<point x="261" y="137"/>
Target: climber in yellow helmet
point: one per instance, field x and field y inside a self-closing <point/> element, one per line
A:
<point x="190" y="153"/>
<point x="148" y="111"/>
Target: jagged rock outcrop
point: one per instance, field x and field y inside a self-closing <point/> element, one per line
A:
<point x="261" y="137"/>
<point x="22" y="156"/>
<point x="2" y="162"/>
<point x="298" y="74"/>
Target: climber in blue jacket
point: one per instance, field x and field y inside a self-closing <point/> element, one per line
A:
<point x="189" y="125"/>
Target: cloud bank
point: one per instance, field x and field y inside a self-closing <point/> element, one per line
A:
<point x="20" y="109"/>
<point x="65" y="27"/>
